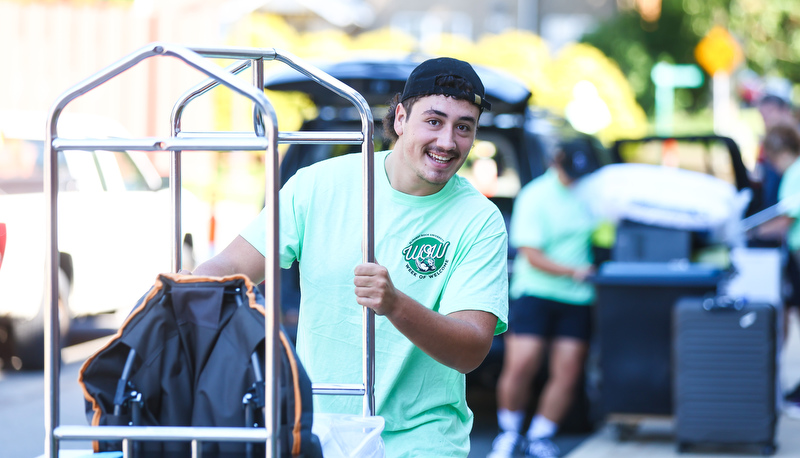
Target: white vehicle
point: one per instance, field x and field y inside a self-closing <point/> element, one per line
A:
<point x="114" y="234"/>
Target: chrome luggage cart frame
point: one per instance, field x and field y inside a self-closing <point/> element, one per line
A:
<point x="265" y="137"/>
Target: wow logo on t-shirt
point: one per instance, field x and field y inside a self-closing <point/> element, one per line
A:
<point x="425" y="255"/>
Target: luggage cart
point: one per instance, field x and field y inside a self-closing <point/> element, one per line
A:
<point x="265" y="137"/>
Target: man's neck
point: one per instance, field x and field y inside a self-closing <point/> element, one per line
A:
<point x="407" y="183"/>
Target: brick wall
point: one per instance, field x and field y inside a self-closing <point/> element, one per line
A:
<point x="47" y="48"/>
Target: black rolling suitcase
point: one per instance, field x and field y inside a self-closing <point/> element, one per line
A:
<point x="724" y="363"/>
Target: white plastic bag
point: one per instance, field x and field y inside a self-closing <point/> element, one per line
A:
<point x="349" y="436"/>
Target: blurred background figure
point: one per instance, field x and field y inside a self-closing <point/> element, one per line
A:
<point x="775" y="109"/>
<point x="552" y="231"/>
<point x="781" y="148"/>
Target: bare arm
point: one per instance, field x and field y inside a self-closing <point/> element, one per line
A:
<point x="239" y="257"/>
<point x="460" y="340"/>
<point x="539" y="260"/>
<point x="776" y="228"/>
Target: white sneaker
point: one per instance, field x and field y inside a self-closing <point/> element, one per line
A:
<point x="542" y="448"/>
<point x="504" y="445"/>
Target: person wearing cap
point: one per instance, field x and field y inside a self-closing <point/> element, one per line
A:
<point x="775" y="110"/>
<point x="439" y="286"/>
<point x="551" y="228"/>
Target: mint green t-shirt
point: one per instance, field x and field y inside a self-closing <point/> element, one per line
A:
<point x="789" y="186"/>
<point x="548" y="216"/>
<point x="447" y="251"/>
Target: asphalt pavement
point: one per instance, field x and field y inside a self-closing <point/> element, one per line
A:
<point x="22" y="411"/>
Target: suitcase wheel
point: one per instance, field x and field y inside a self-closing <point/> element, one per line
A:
<point x="625" y="431"/>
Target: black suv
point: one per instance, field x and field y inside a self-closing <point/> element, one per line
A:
<point x="517" y="138"/>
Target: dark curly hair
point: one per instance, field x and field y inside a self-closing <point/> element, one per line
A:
<point x="783" y="137"/>
<point x="452" y="81"/>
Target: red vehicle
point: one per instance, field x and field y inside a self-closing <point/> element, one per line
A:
<point x="2" y="241"/>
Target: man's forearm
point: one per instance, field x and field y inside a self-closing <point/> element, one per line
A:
<point x="214" y="267"/>
<point x="237" y="258"/>
<point x="460" y="340"/>
<point x="539" y="260"/>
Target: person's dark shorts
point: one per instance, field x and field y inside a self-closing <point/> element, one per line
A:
<point x="548" y="319"/>
<point x="791" y="290"/>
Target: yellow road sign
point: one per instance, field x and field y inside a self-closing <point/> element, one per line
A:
<point x="718" y="51"/>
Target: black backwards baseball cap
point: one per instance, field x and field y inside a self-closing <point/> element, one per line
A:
<point x="422" y="81"/>
<point x="579" y="158"/>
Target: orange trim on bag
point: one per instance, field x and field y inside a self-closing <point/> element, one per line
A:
<point x="298" y="400"/>
<point x="95" y="405"/>
<point x="298" y="405"/>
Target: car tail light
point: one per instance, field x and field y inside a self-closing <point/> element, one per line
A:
<point x="2" y="241"/>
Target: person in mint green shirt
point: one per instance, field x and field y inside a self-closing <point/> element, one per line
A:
<point x="439" y="285"/>
<point x="551" y="228"/>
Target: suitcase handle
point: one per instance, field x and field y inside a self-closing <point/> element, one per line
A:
<point x="723" y="303"/>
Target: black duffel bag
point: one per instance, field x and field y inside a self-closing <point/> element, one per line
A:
<point x="190" y="354"/>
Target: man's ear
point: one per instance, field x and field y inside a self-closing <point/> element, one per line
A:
<point x="399" y="119"/>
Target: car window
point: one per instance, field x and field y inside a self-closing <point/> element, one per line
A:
<point x="22" y="167"/>
<point x="119" y="172"/>
<point x="131" y="175"/>
<point x="711" y="157"/>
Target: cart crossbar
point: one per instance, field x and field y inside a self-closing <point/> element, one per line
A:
<point x="162" y="433"/>
<point x="207" y="142"/>
<point x="340" y="389"/>
<point x="164" y="144"/>
<point x="306" y="137"/>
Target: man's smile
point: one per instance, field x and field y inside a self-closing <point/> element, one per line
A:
<point x="439" y="158"/>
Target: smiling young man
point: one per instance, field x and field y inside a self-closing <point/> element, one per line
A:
<point x="439" y="286"/>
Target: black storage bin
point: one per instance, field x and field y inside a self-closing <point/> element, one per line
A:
<point x="634" y="331"/>
<point x="636" y="242"/>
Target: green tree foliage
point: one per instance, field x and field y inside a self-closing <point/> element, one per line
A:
<point x="767" y="30"/>
<point x="637" y="45"/>
<point x="771" y="32"/>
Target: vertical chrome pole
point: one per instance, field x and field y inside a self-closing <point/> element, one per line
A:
<point x="197" y="449"/>
<point x="175" y="194"/>
<point x="272" y="292"/>
<point x="127" y="448"/>
<point x="368" y="228"/>
<point x="258" y="82"/>
<point x="52" y="343"/>
<point x="175" y="191"/>
<point x="368" y="343"/>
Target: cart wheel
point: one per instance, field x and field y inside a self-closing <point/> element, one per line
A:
<point x="625" y="431"/>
